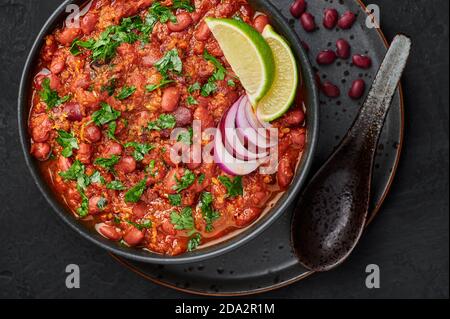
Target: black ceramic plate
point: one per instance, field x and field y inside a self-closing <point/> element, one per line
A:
<point x="267" y="262"/>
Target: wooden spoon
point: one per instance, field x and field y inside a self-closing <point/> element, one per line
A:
<point x="332" y="212"/>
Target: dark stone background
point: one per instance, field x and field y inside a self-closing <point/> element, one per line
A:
<point x="409" y="240"/>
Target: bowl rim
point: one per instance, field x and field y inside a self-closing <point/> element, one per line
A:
<point x="249" y="233"/>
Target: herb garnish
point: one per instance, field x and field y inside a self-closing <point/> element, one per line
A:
<point x="234" y="187"/>
<point x="152" y="87"/>
<point x="68" y="142"/>
<point x="186" y="136"/>
<point x="209" y="214"/>
<point x="175" y="200"/>
<point x="140" y="150"/>
<point x="105" y="115"/>
<point x="126" y="92"/>
<point x="116" y="186"/>
<point x="170" y="62"/>
<point x="76" y="172"/>
<point x="185" y="181"/>
<point x="165" y="121"/>
<point x="183" y="220"/>
<point x="51" y="97"/>
<point x="107" y="163"/>
<point x="145" y="224"/>
<point x="194" y="242"/>
<point x="135" y="193"/>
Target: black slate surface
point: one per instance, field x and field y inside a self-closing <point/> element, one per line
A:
<point x="409" y="240"/>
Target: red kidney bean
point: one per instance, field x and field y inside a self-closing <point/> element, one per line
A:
<point x="126" y="165"/>
<point x="330" y="90"/>
<point x="285" y="172"/>
<point x="357" y="89"/>
<point x="133" y="237"/>
<point x="202" y="114"/>
<point x="308" y="22"/>
<point x="247" y="216"/>
<point x="168" y="228"/>
<point x="113" y="148"/>
<point x="326" y="57"/>
<point x="294" y="118"/>
<point x="298" y="7"/>
<point x="92" y="133"/>
<point x="73" y="111"/>
<point x="342" y="49"/>
<point x="55" y="82"/>
<point x="64" y="163"/>
<point x="41" y="125"/>
<point x="260" y="22"/>
<point x="140" y="209"/>
<point x="330" y="18"/>
<point x="170" y="99"/>
<point x="58" y="64"/>
<point x="347" y="20"/>
<point x="110" y="232"/>
<point x="93" y="205"/>
<point x="67" y="36"/>
<point x="183" y="116"/>
<point x="362" y="61"/>
<point x="184" y="20"/>
<point x="202" y="33"/>
<point x="41" y="151"/>
<point x="88" y="22"/>
<point x="298" y="138"/>
<point x="84" y="153"/>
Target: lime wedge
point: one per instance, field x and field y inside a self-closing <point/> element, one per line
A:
<point x="284" y="88"/>
<point x="248" y="54"/>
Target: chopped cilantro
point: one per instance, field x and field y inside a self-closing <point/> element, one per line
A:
<point x="183" y="220"/>
<point x="162" y="84"/>
<point x="51" y="97"/>
<point x="107" y="163"/>
<point x="126" y="92"/>
<point x="102" y="202"/>
<point x="175" y="200"/>
<point x="186" y="136"/>
<point x="110" y="88"/>
<point x="105" y="115"/>
<point x="194" y="242"/>
<point x="135" y="193"/>
<point x="145" y="224"/>
<point x="97" y="178"/>
<point x="209" y="214"/>
<point x="116" y="185"/>
<point x="74" y="171"/>
<point x="165" y="121"/>
<point x="185" y="182"/>
<point x="140" y="150"/>
<point x="68" y="142"/>
<point x="170" y="62"/>
<point x="234" y="187"/>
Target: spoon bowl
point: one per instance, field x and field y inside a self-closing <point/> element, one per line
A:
<point x="333" y="209"/>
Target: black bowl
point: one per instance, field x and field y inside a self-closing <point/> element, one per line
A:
<point x="243" y="237"/>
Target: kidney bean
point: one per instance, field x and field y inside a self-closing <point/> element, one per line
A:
<point x="112" y="149"/>
<point x="326" y="57"/>
<point x="330" y="90"/>
<point x="247" y="216"/>
<point x="133" y="236"/>
<point x="73" y="111"/>
<point x="183" y="116"/>
<point x="170" y="181"/>
<point x="88" y="22"/>
<point x="202" y="33"/>
<point x="342" y="49"/>
<point x="330" y="18"/>
<point x="308" y="22"/>
<point x="202" y="114"/>
<point x="347" y="20"/>
<point x="126" y="165"/>
<point x="168" y="228"/>
<point x="58" y="64"/>
<point x="260" y="22"/>
<point x="55" y="82"/>
<point x="294" y="118"/>
<point x="110" y="232"/>
<point x="298" y="7"/>
<point x="298" y="138"/>
<point x="84" y="153"/>
<point x="285" y="172"/>
<point x="41" y="151"/>
<point x="93" y="205"/>
<point x="64" y="163"/>
<point x="170" y="99"/>
<point x="67" y="36"/>
<point x="92" y="133"/>
<point x="357" y="89"/>
<point x="362" y="61"/>
<point x="184" y="20"/>
<point x="140" y="209"/>
<point x="41" y="125"/>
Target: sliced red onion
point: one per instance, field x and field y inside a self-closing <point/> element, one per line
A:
<point x="230" y="164"/>
<point x="247" y="133"/>
<point x="232" y="143"/>
<point x="252" y="119"/>
<point x="44" y="72"/>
